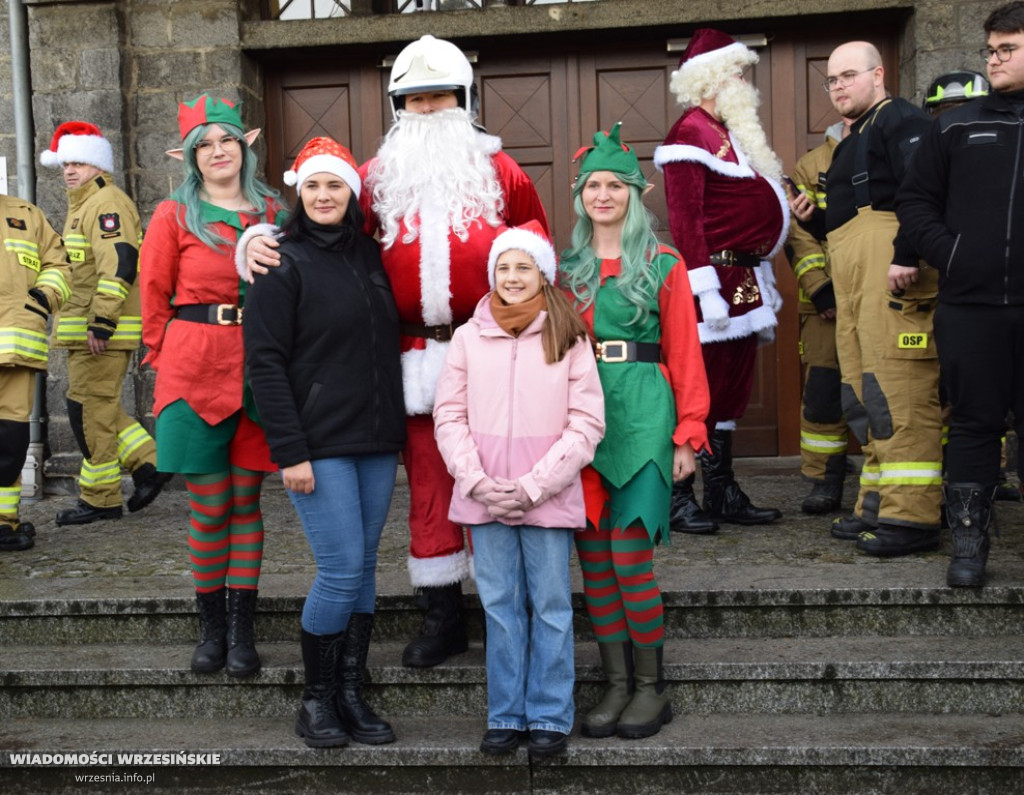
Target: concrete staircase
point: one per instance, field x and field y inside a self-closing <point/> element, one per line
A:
<point x="833" y="675"/>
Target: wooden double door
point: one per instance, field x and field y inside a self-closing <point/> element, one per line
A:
<point x="545" y="102"/>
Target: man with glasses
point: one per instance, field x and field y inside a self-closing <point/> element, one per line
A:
<point x="962" y="206"/>
<point x="101" y="327"/>
<point x="884" y="307"/>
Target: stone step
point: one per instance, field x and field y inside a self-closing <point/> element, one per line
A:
<point x="759" y="676"/>
<point x="707" y="602"/>
<point x="711" y="754"/>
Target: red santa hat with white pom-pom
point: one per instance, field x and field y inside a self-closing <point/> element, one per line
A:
<point x="529" y="237"/>
<point x="324" y="155"/>
<point x="79" y="142"/>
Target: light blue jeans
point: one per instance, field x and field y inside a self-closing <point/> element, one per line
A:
<point x="343" y="519"/>
<point x="522" y="576"/>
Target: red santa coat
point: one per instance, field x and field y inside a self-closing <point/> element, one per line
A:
<point x="718" y="202"/>
<point x="438" y="279"/>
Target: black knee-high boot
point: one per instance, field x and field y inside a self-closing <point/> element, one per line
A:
<point x="359" y="720"/>
<point x="242" y="659"/>
<point x="318" y="722"/>
<point x="723" y="497"/>
<point x="211" y="651"/>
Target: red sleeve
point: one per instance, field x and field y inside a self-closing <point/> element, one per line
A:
<point x="158" y="277"/>
<point x="366" y="199"/>
<point x="680" y="348"/>
<point x="522" y="203"/>
<point x="684" y="193"/>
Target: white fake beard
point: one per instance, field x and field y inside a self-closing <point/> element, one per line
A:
<point x="737" y="102"/>
<point x="435" y="161"/>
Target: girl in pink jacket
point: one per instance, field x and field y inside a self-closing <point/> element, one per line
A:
<point x="518" y="413"/>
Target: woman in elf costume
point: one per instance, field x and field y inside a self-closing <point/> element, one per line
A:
<point x="635" y="298"/>
<point x="191" y="322"/>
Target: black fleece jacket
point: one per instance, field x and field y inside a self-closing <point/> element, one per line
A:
<point x="962" y="205"/>
<point x="322" y="350"/>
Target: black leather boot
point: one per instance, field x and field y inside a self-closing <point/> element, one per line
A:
<point x="318" y="722"/>
<point x="825" y="496"/>
<point x="148" y="485"/>
<point x="84" y="513"/>
<point x="211" y="652"/>
<point x="723" y="497"/>
<point x="16" y="539"/>
<point x="242" y="659"/>
<point x="685" y="515"/>
<point x="969" y="510"/>
<point x="443" y="632"/>
<point x="361" y="723"/>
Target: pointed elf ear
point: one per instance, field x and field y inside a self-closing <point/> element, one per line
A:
<point x="252" y="135"/>
<point x="648" y="188"/>
<point x="177" y="154"/>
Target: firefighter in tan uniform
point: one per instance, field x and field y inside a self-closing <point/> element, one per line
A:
<point x="885" y="304"/>
<point x="36" y="277"/>
<point x="823" y="429"/>
<point x="101" y="326"/>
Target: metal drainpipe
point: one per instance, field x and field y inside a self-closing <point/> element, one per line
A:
<point x="24" y="137"/>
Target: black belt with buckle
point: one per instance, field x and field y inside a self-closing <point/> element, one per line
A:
<point x="614" y="351"/>
<point x="214" y="314"/>
<point x="735" y="259"/>
<point x="437" y="333"/>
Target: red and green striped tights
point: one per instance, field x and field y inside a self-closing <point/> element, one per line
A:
<point x="225" y="536"/>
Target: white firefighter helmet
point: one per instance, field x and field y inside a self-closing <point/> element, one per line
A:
<point x="430" y="64"/>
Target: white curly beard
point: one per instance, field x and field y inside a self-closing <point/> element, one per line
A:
<point x="736" y="103"/>
<point x="435" y="161"/>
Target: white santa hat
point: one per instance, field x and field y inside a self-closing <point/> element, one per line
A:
<point x="79" y="142"/>
<point x="531" y="238"/>
<point x="324" y="155"/>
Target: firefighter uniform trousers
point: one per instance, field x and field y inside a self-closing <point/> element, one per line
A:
<point x="823" y="429"/>
<point x="890" y="372"/>
<point x="17" y="387"/>
<point x="108" y="438"/>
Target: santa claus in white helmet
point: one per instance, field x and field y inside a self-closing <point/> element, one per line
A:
<point x="438" y="192"/>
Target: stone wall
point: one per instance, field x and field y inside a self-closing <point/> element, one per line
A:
<point x="125" y="65"/>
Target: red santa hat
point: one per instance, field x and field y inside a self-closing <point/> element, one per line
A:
<point x="79" y="142"/>
<point x="709" y="47"/>
<point x="531" y="238"/>
<point x="324" y="155"/>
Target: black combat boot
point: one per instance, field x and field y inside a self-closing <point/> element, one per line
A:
<point x="84" y="513"/>
<point x="359" y="720"/>
<point x="242" y="659"/>
<point x="827" y="494"/>
<point x="969" y="511"/>
<point x="148" y="485"/>
<point x="723" y="497"/>
<point x="211" y="652"/>
<point x="318" y="722"/>
<point x="443" y="632"/>
<point x="685" y="514"/>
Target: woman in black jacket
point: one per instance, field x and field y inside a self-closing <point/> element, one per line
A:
<point x="321" y="335"/>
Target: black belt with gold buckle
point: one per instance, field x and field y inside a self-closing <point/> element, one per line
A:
<point x="436" y="333"/>
<point x="735" y="259"/>
<point x="615" y="351"/>
<point x="214" y="314"/>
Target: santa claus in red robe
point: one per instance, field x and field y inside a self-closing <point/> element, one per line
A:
<point x="728" y="217"/>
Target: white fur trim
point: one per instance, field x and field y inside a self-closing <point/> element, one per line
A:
<point x="435" y="572"/>
<point x="704" y="279"/>
<point x="243" y="242"/>
<point x="756" y="321"/>
<point x="729" y="54"/>
<point x="420" y="370"/>
<point x="780" y="195"/>
<point x="94" y="150"/>
<point x="489" y="144"/>
<point x="726" y="425"/>
<point x="435" y="262"/>
<point x="325" y="163"/>
<point x="538" y="248"/>
<point x="685" y="153"/>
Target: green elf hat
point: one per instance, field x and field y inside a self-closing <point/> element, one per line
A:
<point x="607" y="153"/>
<point x="205" y="109"/>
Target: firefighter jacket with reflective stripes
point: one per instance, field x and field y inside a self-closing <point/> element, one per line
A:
<point x="102" y="234"/>
<point x="33" y="259"/>
<point x="809" y="256"/>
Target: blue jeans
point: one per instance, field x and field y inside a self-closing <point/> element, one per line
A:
<point x="530" y="664"/>
<point x="343" y="519"/>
